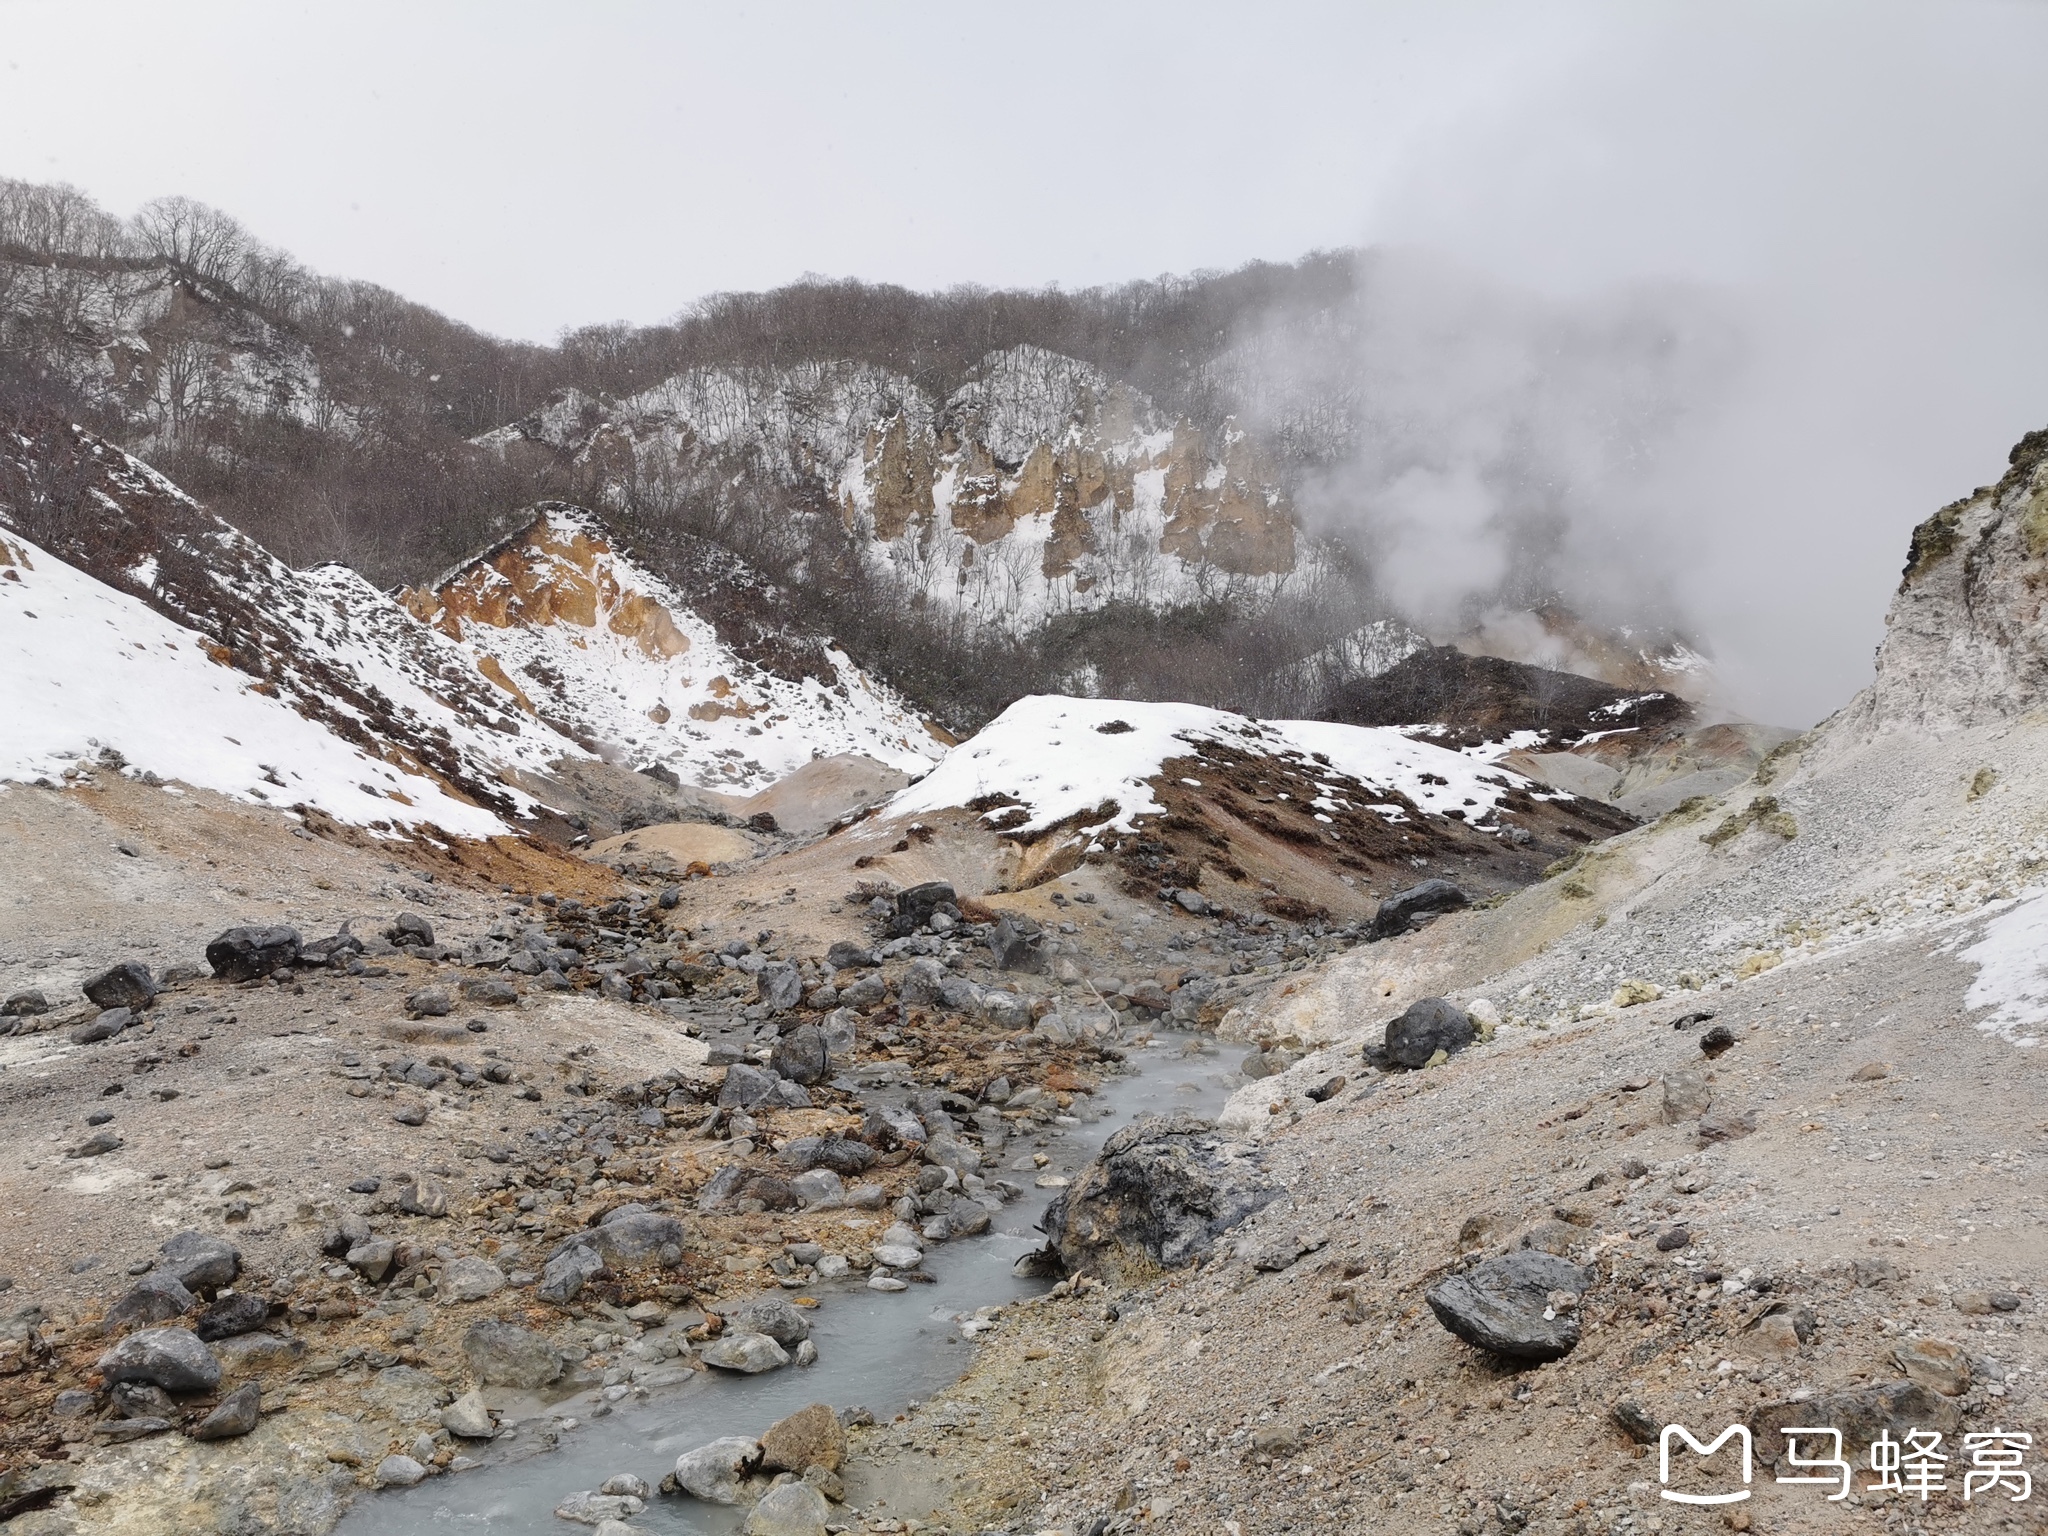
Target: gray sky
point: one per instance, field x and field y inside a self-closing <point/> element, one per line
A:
<point x="1862" y="187"/>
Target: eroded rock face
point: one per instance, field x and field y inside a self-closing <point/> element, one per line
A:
<point x="1157" y="1196"/>
<point x="1965" y="642"/>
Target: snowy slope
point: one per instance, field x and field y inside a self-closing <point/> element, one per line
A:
<point x="575" y="634"/>
<point x="1061" y="757"/>
<point x="86" y="668"/>
<point x="339" y="651"/>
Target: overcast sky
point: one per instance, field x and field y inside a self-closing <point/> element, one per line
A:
<point x="1864" y="184"/>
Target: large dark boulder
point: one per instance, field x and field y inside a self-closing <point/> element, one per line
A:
<point x="1510" y="1305"/>
<point x="1157" y="1196"/>
<point x="1403" y="907"/>
<point x="244" y="954"/>
<point x="914" y="907"/>
<point x="127" y="985"/>
<point x="1429" y="1025"/>
<point x="155" y="1298"/>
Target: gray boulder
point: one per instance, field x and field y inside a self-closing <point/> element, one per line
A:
<point x="243" y="1312"/>
<point x="788" y="1509"/>
<point x="504" y="1354"/>
<point x="155" y="1298"/>
<point x="565" y="1274"/>
<point x="843" y="956"/>
<point x="1429" y="1025"/>
<point x="841" y="1154"/>
<point x="914" y="907"/>
<point x="747" y="1087"/>
<point x="244" y="954"/>
<point x="748" y="1353"/>
<point x="127" y="985"/>
<point x="1158" y="1195"/>
<point x="468" y="1418"/>
<point x="1403" y="907"/>
<point x="780" y="986"/>
<point x="1523" y="1306"/>
<point x="469" y="1279"/>
<point x="104" y="1026"/>
<point x="238" y="1413"/>
<point x="802" y="1056"/>
<point x="717" y="1472"/>
<point x="201" y="1261"/>
<point x="628" y="1238"/>
<point x="171" y="1358"/>
<point x="25" y="1005"/>
<point x="771" y="1315"/>
<point x="1015" y="945"/>
<point x="923" y="982"/>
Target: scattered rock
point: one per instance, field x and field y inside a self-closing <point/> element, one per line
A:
<point x="398" y="1472"/>
<point x="595" y="1508"/>
<point x="1015" y="945"/>
<point x="789" y="1509"/>
<point x="202" y="1262"/>
<point x="1161" y="1191"/>
<point x="502" y="1354"/>
<point x="155" y="1298"/>
<point x="1726" y="1125"/>
<point x="779" y="987"/>
<point x="469" y="1279"/>
<point x="810" y="1437"/>
<point x="1671" y="1239"/>
<point x="104" y="1026"/>
<point x="844" y="956"/>
<point x="1429" y="1025"/>
<point x="1507" y="1305"/>
<point x="1403" y="907"/>
<point x="1633" y="991"/>
<point x="467" y="1418"/>
<point x="1192" y="902"/>
<point x="1893" y="1408"/>
<point x="802" y="1055"/>
<point x="1936" y="1364"/>
<point x="717" y="1472"/>
<point x="1716" y="1041"/>
<point x="626" y="1239"/>
<point x="1871" y="1072"/>
<point x="127" y="985"/>
<point x="490" y="992"/>
<point x="1686" y="1097"/>
<point x="243" y="1312"/>
<point x="372" y="1258"/>
<point x="750" y="1353"/>
<point x="1631" y="1419"/>
<point x="248" y="954"/>
<point x="171" y="1358"/>
<point x="238" y="1413"/>
<point x="25" y="1005"/>
<point x="430" y="1003"/>
<point x="773" y="1316"/>
<point x="568" y="1271"/>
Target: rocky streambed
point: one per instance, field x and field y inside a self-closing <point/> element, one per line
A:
<point x="877" y="1352"/>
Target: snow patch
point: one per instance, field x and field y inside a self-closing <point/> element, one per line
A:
<point x="2012" y="971"/>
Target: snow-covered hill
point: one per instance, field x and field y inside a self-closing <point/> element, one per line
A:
<point x="573" y="633"/>
<point x="93" y="674"/>
<point x="1049" y="760"/>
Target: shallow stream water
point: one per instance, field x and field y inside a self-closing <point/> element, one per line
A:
<point x="878" y="1350"/>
